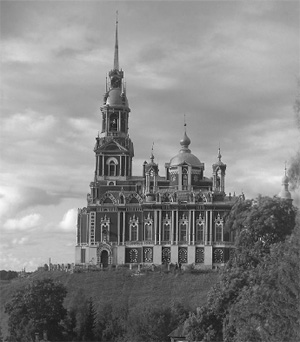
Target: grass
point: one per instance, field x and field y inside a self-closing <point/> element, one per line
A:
<point x="122" y="288"/>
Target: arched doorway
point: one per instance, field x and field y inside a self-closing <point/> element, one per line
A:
<point x="104" y="258"/>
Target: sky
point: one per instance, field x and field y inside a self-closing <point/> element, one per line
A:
<point x="230" y="67"/>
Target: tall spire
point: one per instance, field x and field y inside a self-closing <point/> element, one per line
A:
<point x="116" y="57"/>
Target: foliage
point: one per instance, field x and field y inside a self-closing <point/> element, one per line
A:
<point x="268" y="310"/>
<point x="8" y="275"/>
<point x="257" y="225"/>
<point x="155" y="324"/>
<point x="260" y="276"/>
<point x="37" y="308"/>
<point x="294" y="170"/>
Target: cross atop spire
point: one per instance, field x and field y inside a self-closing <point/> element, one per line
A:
<point x="285" y="168"/>
<point x="152" y="156"/>
<point x="219" y="153"/>
<point x="116" y="56"/>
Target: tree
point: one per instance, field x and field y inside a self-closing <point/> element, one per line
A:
<point x="155" y="324"/>
<point x="259" y="226"/>
<point x="90" y="322"/>
<point x="268" y="310"/>
<point x="37" y="308"/>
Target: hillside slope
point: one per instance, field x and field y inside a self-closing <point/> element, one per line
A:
<point x="121" y="288"/>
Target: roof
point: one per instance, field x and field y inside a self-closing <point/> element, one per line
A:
<point x="180" y="331"/>
<point x="185" y="157"/>
<point x="115" y="98"/>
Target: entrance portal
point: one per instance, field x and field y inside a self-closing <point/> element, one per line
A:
<point x="104" y="258"/>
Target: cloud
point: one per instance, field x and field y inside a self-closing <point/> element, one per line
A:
<point x="15" y="199"/>
<point x="25" y="223"/>
<point x="68" y="223"/>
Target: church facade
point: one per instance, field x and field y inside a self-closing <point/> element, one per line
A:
<point x="149" y="219"/>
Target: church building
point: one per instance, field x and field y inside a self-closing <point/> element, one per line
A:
<point x="150" y="218"/>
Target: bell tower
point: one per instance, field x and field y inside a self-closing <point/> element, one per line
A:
<point x="114" y="149"/>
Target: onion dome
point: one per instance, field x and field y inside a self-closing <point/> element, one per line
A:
<point x="185" y="156"/>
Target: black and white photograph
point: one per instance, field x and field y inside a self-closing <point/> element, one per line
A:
<point x="150" y="171"/>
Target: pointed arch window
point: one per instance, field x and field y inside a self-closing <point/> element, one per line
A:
<point x="200" y="229"/>
<point x="167" y="229"/>
<point x="148" y="228"/>
<point x="134" y="229"/>
<point x="219" y="228"/>
<point x="183" y="228"/>
<point x="105" y="228"/>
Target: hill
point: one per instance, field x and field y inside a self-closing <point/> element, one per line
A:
<point x="122" y="288"/>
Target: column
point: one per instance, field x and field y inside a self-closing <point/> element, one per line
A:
<point x="206" y="228"/>
<point x="159" y="227"/>
<point x="121" y="165"/>
<point x="189" y="235"/>
<point x="176" y="229"/>
<point x="155" y="227"/>
<point x="119" y="227"/>
<point x="103" y="170"/>
<point x="97" y="165"/>
<point x="193" y="226"/>
<point x="211" y="226"/>
<point x="124" y="227"/>
<point x="172" y="228"/>
<point x="119" y="122"/>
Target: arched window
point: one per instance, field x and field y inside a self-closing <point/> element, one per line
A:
<point x="134" y="232"/>
<point x="200" y="232"/>
<point x="183" y="232"/>
<point x="112" y="168"/>
<point x="219" y="228"/>
<point x="148" y="231"/>
<point x="200" y="223"/>
<point x="166" y="233"/>
<point x="184" y="178"/>
<point x="133" y="229"/>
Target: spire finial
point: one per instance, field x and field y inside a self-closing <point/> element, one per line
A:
<point x="116" y="57"/>
<point x="285" y="168"/>
<point x="152" y="156"/>
<point x="219" y="153"/>
<point x="184" y="122"/>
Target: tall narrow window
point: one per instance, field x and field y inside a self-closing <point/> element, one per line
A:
<point x="184" y="178"/>
<point x="183" y="228"/>
<point x="148" y="231"/>
<point x="200" y="224"/>
<point x="112" y="168"/>
<point x="134" y="232"/>
<point x="219" y="228"/>
<point x="200" y="232"/>
<point x="183" y="232"/>
<point x="134" y="228"/>
<point x="166" y="234"/>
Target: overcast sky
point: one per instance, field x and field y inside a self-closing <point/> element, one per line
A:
<point x="231" y="67"/>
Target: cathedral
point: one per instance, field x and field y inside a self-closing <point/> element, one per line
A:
<point x="150" y="219"/>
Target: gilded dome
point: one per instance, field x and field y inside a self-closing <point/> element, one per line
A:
<point x="116" y="98"/>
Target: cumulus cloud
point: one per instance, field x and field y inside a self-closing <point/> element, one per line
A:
<point x="25" y="223"/>
<point x="68" y="223"/>
<point x="16" y="199"/>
